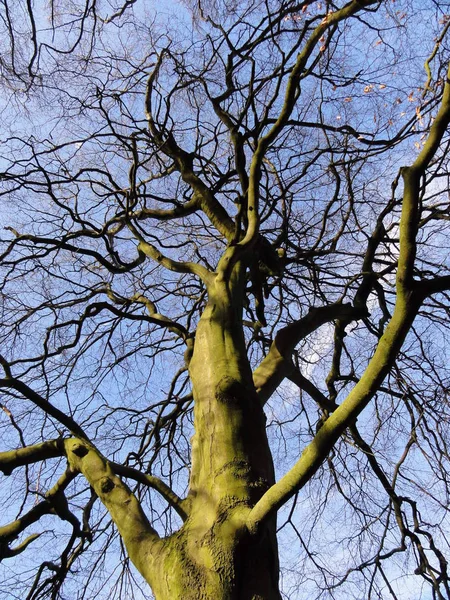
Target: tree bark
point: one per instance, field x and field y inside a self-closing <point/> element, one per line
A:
<point x="214" y="556"/>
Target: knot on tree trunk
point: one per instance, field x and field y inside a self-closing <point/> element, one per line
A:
<point x="106" y="485"/>
<point x="79" y="449"/>
<point x="231" y="391"/>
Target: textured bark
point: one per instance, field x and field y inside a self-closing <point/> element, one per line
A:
<point x="221" y="561"/>
<point x="214" y="556"/>
<point x="226" y="548"/>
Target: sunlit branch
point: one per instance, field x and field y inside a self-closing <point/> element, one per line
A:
<point x="12" y="459"/>
<point x="147" y="249"/>
<point x="8" y="552"/>
<point x="278" y="363"/>
<point x="291" y="97"/>
<point x="406" y="308"/>
<point x="123" y="506"/>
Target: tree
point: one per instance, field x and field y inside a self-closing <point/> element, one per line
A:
<point x="227" y="221"/>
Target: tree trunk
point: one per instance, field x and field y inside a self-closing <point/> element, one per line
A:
<point x="221" y="562"/>
<point x="213" y="556"/>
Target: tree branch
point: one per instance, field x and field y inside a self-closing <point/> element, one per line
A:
<point x="138" y="535"/>
<point x="184" y="163"/>
<point x="277" y="364"/>
<point x="177" y="503"/>
<point x="43" y="404"/>
<point x="318" y="449"/>
<point x="54" y="503"/>
<point x="407" y="304"/>
<point x="152" y="252"/>
<point x="53" y="244"/>
<point x="12" y="459"/>
<point x="291" y="96"/>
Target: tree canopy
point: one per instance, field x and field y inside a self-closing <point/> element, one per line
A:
<point x="225" y="276"/>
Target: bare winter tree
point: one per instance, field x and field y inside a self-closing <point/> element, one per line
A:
<point x="225" y="299"/>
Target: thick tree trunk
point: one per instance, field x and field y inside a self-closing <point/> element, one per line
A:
<point x="213" y="556"/>
<point x="218" y="565"/>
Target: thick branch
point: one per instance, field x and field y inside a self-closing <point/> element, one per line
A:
<point x="123" y="506"/>
<point x="173" y="265"/>
<point x="412" y="177"/>
<point x="427" y="287"/>
<point x="317" y="451"/>
<point x="277" y="364"/>
<point x="8" y="552"/>
<point x="12" y="459"/>
<point x="160" y="214"/>
<point x="12" y="530"/>
<point x="406" y="308"/>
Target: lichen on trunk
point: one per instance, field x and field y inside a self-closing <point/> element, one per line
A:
<point x="214" y="556"/>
